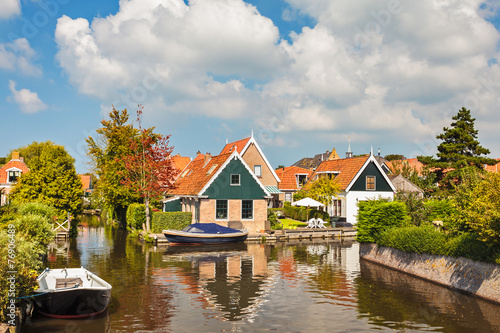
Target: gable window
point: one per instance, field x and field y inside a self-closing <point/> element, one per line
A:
<point x="235" y="179"/>
<point x="257" y="170"/>
<point x="246" y="209"/>
<point x="221" y="210"/>
<point x="370" y="183"/>
<point x="13" y="175"/>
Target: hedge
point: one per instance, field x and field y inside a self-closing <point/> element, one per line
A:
<point x="424" y="239"/>
<point x="376" y="216"/>
<point x="300" y="213"/>
<point x="170" y="220"/>
<point x="136" y="215"/>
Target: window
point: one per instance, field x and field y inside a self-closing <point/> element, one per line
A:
<point x="235" y="180"/>
<point x="257" y="170"/>
<point x="246" y="209"/>
<point x="221" y="210"/>
<point x="370" y="183"/>
<point x="13" y="175"/>
<point x="288" y="196"/>
<point x="301" y="180"/>
<point x="337" y="208"/>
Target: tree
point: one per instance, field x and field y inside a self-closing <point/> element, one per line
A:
<point x="394" y="157"/>
<point x="478" y="201"/>
<point x="460" y="149"/>
<point x="52" y="180"/>
<point x="106" y="152"/>
<point x="322" y="189"/>
<point x="149" y="169"/>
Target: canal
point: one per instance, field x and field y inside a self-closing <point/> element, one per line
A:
<point x="306" y="286"/>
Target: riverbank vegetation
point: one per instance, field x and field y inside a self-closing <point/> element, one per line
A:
<point x="25" y="232"/>
<point x="460" y="216"/>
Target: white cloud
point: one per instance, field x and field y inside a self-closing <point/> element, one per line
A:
<point x="18" y="56"/>
<point x="9" y="8"/>
<point x="28" y="101"/>
<point x="393" y="68"/>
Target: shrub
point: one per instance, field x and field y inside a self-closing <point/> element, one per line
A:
<point x="136" y="215"/>
<point x="424" y="239"/>
<point x="275" y="223"/>
<point x="170" y="220"/>
<point x="470" y="246"/>
<point x="37" y="208"/>
<point x="36" y="228"/>
<point x="375" y="216"/>
<point x="300" y="213"/>
<point x="26" y="263"/>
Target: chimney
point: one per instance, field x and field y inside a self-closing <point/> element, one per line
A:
<point x="198" y="153"/>
<point x="379" y="152"/>
<point x="208" y="157"/>
<point x="15" y="155"/>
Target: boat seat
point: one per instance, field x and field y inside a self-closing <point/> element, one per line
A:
<point x="68" y="282"/>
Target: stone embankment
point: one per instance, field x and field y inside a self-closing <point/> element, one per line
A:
<point x="477" y="278"/>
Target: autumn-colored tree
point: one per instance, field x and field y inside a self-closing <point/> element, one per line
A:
<point x="149" y="169"/>
<point x="322" y="189"/>
<point x="106" y="150"/>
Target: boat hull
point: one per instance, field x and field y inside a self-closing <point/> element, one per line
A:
<point x="179" y="237"/>
<point x="73" y="303"/>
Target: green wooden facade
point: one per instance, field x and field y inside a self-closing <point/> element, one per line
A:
<point x="381" y="184"/>
<point x="221" y="187"/>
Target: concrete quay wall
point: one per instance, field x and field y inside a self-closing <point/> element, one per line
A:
<point x="477" y="278"/>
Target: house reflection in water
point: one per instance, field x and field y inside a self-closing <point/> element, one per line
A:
<point x="230" y="279"/>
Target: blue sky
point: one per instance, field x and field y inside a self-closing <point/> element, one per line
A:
<point x="303" y="75"/>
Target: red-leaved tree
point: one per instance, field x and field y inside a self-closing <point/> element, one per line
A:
<point x="149" y="169"/>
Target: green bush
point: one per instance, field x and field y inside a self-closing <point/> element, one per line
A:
<point x="424" y="239"/>
<point x="136" y="215"/>
<point x="36" y="228"/>
<point x="376" y="216"/>
<point x="37" y="208"/>
<point x="27" y="261"/>
<point x="300" y="213"/>
<point x="170" y="220"/>
<point x="470" y="246"/>
<point x="273" y="219"/>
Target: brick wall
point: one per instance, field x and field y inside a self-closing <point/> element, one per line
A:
<point x="252" y="157"/>
<point x="207" y="214"/>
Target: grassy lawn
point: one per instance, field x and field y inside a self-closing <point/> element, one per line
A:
<point x="291" y="224"/>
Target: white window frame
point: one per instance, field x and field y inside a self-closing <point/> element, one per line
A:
<point x="258" y="174"/>
<point x="231" y="179"/>
<point x="13" y="169"/>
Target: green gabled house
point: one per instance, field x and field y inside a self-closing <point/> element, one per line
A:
<point x="220" y="189"/>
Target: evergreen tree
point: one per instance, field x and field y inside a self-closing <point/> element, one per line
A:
<point x="52" y="180"/>
<point x="460" y="149"/>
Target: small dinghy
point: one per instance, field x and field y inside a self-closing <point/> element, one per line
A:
<point x="71" y="293"/>
<point x="205" y="233"/>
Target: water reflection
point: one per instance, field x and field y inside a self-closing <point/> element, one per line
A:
<point x="301" y="287"/>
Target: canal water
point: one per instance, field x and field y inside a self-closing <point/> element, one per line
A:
<point x="308" y="286"/>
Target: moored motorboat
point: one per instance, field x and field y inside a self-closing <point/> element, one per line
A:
<point x="71" y="293"/>
<point x="205" y="233"/>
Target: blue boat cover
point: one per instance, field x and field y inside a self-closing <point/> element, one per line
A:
<point x="209" y="228"/>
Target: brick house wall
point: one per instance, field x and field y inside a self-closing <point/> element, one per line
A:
<point x="207" y="214"/>
<point x="252" y="157"/>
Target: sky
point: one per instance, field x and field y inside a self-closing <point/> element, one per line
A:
<point x="302" y="76"/>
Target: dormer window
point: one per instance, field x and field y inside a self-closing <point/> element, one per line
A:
<point x="13" y="175"/>
<point x="301" y="180"/>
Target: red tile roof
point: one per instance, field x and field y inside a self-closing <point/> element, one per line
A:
<point x="412" y="162"/>
<point x="12" y="164"/>
<point x="181" y="162"/>
<point x="196" y="175"/>
<point x="287" y="177"/>
<point x="347" y="168"/>
<point x="239" y="145"/>
<point x="85" y="182"/>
